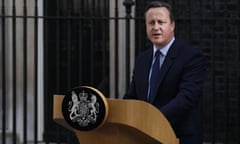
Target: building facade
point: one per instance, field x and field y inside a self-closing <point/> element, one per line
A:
<point x="49" y="47"/>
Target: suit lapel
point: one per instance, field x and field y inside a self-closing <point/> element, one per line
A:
<point x="146" y="68"/>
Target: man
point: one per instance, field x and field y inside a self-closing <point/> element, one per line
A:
<point x="179" y="82"/>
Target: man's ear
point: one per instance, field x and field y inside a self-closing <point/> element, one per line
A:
<point x="173" y="25"/>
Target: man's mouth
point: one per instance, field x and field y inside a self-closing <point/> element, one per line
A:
<point x="157" y="34"/>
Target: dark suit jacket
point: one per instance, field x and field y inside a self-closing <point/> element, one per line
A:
<point x="179" y="88"/>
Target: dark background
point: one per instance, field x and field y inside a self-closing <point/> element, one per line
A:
<point x="77" y="53"/>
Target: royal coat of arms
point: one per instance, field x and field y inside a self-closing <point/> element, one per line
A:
<point x="83" y="108"/>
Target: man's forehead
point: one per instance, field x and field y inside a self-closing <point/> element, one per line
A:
<point x="160" y="12"/>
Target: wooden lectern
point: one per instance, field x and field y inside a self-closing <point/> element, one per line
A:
<point x="128" y="122"/>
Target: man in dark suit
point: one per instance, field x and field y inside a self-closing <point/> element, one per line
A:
<point x="178" y="84"/>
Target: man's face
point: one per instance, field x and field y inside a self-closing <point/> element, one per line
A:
<point x="160" y="29"/>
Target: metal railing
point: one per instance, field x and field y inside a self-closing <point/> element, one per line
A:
<point x="42" y="55"/>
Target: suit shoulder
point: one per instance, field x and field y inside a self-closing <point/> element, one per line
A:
<point x="144" y="54"/>
<point x="186" y="48"/>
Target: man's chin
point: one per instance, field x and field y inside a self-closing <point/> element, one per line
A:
<point x="158" y="43"/>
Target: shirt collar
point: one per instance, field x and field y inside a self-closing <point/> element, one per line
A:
<point x="165" y="49"/>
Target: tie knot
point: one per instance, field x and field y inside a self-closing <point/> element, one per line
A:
<point x="157" y="54"/>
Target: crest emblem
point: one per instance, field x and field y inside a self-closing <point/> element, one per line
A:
<point x="84" y="108"/>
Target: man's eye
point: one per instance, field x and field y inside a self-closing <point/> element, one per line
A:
<point x="158" y="22"/>
<point x="162" y="22"/>
<point x="151" y="22"/>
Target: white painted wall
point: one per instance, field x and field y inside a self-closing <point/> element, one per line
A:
<point x="19" y="70"/>
<point x="121" y="51"/>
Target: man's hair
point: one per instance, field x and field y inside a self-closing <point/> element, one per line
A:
<point x="157" y="4"/>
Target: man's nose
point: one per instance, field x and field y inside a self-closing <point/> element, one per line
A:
<point x="156" y="26"/>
